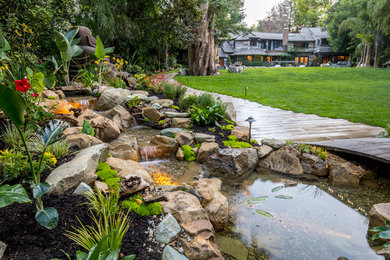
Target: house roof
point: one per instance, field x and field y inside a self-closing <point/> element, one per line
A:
<point x="250" y="52"/>
<point x="268" y="36"/>
<point x="226" y="48"/>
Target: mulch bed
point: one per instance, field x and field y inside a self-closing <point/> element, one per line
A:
<point x="26" y="239"/>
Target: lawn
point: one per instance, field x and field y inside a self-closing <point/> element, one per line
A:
<point x="356" y="94"/>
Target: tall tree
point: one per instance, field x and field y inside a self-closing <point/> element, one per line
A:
<point x="311" y="13"/>
<point x="218" y="19"/>
<point x="279" y="17"/>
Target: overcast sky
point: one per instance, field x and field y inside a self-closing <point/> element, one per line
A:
<point x="257" y="9"/>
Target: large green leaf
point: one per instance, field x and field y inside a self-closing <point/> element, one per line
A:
<point x="2" y="40"/>
<point x="76" y="50"/>
<point x="50" y="133"/>
<point x="80" y="255"/>
<point x="69" y="35"/>
<point x="128" y="257"/>
<point x="47" y="218"/>
<point x="99" y="51"/>
<point x="10" y="194"/>
<point x="63" y="46"/>
<point x="40" y="189"/>
<point x="13" y="105"/>
<point x="37" y="82"/>
<point x="108" y="50"/>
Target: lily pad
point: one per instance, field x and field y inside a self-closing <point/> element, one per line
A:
<point x="264" y="213"/>
<point x="278" y="188"/>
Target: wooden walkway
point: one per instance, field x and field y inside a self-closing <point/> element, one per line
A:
<point x="374" y="148"/>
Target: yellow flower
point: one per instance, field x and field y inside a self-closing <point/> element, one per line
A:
<point x="53" y="160"/>
<point x="96" y="69"/>
<point x="30" y="31"/>
<point x="28" y="44"/>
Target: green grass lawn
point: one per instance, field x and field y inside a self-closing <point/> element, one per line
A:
<point x="356" y="94"/>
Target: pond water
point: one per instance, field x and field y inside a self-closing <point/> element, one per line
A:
<point x="312" y="220"/>
<point x="305" y="222"/>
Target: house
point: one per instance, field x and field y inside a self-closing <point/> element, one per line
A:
<point x="308" y="47"/>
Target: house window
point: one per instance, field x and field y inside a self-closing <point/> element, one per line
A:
<point x="253" y="42"/>
<point x="263" y="44"/>
<point x="324" y="41"/>
<point x="277" y="45"/>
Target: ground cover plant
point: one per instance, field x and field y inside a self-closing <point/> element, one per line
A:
<point x="355" y="94"/>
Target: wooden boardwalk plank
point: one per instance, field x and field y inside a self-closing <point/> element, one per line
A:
<point x="374" y="148"/>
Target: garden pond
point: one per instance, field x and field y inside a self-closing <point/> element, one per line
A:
<point x="276" y="218"/>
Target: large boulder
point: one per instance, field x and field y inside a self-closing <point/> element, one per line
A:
<point x="166" y="103"/>
<point x="190" y="215"/>
<point x="169" y="253"/>
<point x="128" y="168"/>
<point x="105" y="129"/>
<point x="112" y="97"/>
<point x="236" y="69"/>
<point x="285" y="160"/>
<point x="241" y="132"/>
<point x="82" y="141"/>
<point x="72" y="131"/>
<point x="181" y="122"/>
<point x="312" y="164"/>
<point x="170" y="114"/>
<point x="125" y="147"/>
<point x="172" y="131"/>
<point x="200" y="138"/>
<point x="81" y="169"/>
<point x="184" y="138"/>
<point x="87" y="114"/>
<point x="215" y="204"/>
<point x="345" y="173"/>
<point x="168" y="230"/>
<point x="206" y="150"/>
<point x="263" y="150"/>
<point x="152" y="114"/>
<point x="120" y="116"/>
<point x="166" y="146"/>
<point x="232" y="163"/>
<point x="274" y="143"/>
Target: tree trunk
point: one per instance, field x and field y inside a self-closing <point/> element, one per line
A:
<point x="377" y="45"/>
<point x="368" y="56"/>
<point x="201" y="54"/>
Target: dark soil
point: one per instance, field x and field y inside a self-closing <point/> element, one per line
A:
<point x="28" y="240"/>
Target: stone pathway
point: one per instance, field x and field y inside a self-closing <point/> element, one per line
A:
<point x="287" y="125"/>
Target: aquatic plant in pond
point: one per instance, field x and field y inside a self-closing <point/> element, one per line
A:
<point x="300" y="222"/>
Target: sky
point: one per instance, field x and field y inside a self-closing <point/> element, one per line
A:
<point x="257" y="9"/>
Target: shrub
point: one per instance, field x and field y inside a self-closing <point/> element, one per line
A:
<point x="106" y="174"/>
<point x="59" y="149"/>
<point x="234" y="143"/>
<point x="103" y="166"/>
<point x="206" y="116"/>
<point x="205" y="100"/>
<point x="137" y="204"/>
<point x="180" y="91"/>
<point x="116" y="83"/>
<point x="12" y="139"/>
<point x="87" y="128"/>
<point x="186" y="102"/>
<point x="169" y="90"/>
<point x="227" y="127"/>
<point x="134" y="69"/>
<point x="189" y="155"/>
<point x="12" y="164"/>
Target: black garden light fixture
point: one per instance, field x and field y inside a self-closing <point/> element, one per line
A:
<point x="246" y="89"/>
<point x="250" y="120"/>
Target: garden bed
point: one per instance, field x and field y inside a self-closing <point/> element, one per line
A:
<point x="26" y="239"/>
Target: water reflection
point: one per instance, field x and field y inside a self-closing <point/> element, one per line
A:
<point x="311" y="225"/>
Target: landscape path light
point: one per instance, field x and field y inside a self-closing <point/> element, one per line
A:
<point x="246" y="89"/>
<point x="250" y="120"/>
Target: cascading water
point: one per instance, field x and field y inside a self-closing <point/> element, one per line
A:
<point x="148" y="153"/>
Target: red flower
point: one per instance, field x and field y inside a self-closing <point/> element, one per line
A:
<point x="22" y="85"/>
<point x="35" y="95"/>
